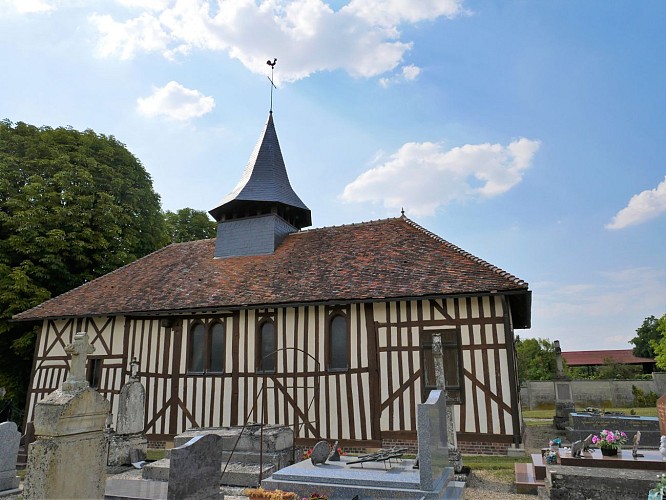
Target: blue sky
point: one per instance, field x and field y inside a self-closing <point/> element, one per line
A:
<point x="531" y="134"/>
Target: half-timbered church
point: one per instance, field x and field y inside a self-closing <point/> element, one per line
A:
<point x="327" y="330"/>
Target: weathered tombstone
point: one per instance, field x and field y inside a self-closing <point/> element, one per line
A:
<point x="661" y="414"/>
<point x="455" y="457"/>
<point x="564" y="402"/>
<point x="128" y="443"/>
<point x="9" y="446"/>
<point x="195" y="469"/>
<point x="432" y="440"/>
<point x="68" y="457"/>
<point x="320" y="453"/>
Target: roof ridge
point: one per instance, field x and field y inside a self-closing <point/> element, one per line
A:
<point x="465" y="253"/>
<point x="352" y="224"/>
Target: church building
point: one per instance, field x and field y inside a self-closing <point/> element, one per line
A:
<point x="327" y="330"/>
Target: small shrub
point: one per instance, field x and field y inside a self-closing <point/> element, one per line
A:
<point x="643" y="400"/>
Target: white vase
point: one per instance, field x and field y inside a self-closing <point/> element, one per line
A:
<point x="662" y="447"/>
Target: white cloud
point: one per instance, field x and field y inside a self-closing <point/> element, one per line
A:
<point x="393" y="12"/>
<point x="601" y="314"/>
<point x="422" y="176"/>
<point x="408" y="74"/>
<point x="124" y="40"/>
<point x="642" y="207"/>
<point x="31" y="6"/>
<point x="305" y="35"/>
<point x="176" y="102"/>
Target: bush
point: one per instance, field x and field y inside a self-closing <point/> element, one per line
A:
<point x="643" y="400"/>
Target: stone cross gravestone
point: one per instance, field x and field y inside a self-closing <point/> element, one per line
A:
<point x="195" y="469"/>
<point x="661" y="414"/>
<point x="78" y="350"/>
<point x="10" y="438"/>
<point x="432" y="441"/>
<point x="455" y="457"/>
<point x="68" y="457"/>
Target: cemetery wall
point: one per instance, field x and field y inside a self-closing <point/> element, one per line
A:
<point x="598" y="393"/>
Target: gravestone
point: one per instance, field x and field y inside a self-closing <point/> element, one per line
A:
<point x="661" y="414"/>
<point x="68" y="457"/>
<point x="195" y="469"/>
<point x="432" y="440"/>
<point x="9" y="446"/>
<point x="564" y="402"/>
<point x="581" y="424"/>
<point x="320" y="453"/>
<point x="128" y="443"/>
<point x="455" y="457"/>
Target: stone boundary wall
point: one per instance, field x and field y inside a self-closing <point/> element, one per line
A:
<point x="598" y="393"/>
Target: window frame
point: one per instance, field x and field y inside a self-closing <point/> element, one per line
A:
<point x="425" y="344"/>
<point x="259" y="356"/>
<point x="329" y="337"/>
<point x="207" y="347"/>
<point x="94" y="371"/>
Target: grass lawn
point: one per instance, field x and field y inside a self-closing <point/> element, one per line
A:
<point x="500" y="467"/>
<point x="549" y="414"/>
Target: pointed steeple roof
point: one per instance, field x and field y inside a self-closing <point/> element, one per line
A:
<point x="264" y="186"/>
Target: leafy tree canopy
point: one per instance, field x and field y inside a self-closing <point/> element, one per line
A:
<point x="73" y="206"/>
<point x="645" y="335"/>
<point x="536" y="359"/>
<point x="188" y="224"/>
<point x="659" y="345"/>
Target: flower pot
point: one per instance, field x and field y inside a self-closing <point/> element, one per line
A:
<point x="609" y="452"/>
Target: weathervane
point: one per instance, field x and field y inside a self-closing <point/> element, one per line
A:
<point x="270" y="79"/>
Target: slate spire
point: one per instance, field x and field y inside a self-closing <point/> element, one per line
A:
<point x="264" y="186"/>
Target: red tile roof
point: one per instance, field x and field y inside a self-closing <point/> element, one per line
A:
<point x="594" y="358"/>
<point x="385" y="259"/>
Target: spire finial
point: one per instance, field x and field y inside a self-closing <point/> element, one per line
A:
<point x="270" y="79"/>
<point x="402" y="212"/>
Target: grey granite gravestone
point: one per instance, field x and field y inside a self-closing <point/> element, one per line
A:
<point x="68" y="458"/>
<point x="386" y="479"/>
<point x="432" y="440"/>
<point x="9" y="447"/>
<point x="564" y="402"/>
<point x="195" y="469"/>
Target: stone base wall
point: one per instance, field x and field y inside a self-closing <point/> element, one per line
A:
<point x="482" y="447"/>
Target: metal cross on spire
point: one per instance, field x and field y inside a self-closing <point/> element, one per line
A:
<point x="270" y="79"/>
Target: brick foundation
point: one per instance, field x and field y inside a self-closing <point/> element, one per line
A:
<point x="467" y="447"/>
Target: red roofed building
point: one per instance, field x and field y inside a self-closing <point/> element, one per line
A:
<point x="335" y="323"/>
<point x="599" y="358"/>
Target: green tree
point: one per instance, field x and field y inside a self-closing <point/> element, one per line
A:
<point x="536" y="359"/>
<point x="612" y="369"/>
<point x="188" y="224"/>
<point x="659" y="345"/>
<point x="73" y="206"/>
<point x="644" y="336"/>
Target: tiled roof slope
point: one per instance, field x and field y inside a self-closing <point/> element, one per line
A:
<point x="390" y="258"/>
<point x="591" y="358"/>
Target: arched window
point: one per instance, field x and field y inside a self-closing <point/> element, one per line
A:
<point x="197" y="347"/>
<point x="216" y="353"/>
<point x="337" y="343"/>
<point x="207" y="347"/>
<point x="267" y="346"/>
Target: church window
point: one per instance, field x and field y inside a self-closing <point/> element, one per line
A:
<point x="452" y="365"/>
<point x="337" y="343"/>
<point x="267" y="347"/>
<point x="216" y="351"/>
<point x="207" y="348"/>
<point x="197" y="347"/>
<point x="94" y="372"/>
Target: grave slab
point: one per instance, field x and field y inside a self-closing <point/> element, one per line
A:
<point x="583" y="424"/>
<point x="194" y="473"/>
